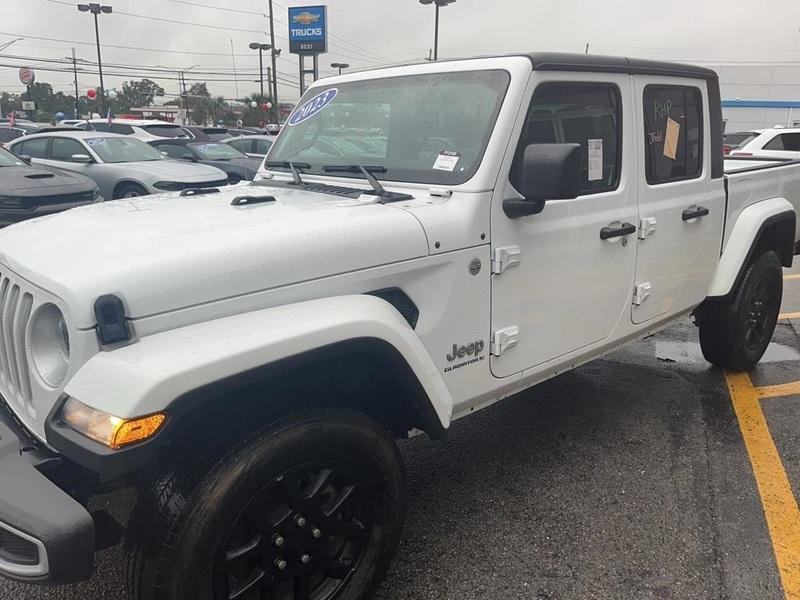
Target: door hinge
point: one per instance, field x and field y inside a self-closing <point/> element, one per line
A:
<point x="503" y="339"/>
<point x="647" y="226"/>
<point x="505" y="258"/>
<point x="641" y="293"/>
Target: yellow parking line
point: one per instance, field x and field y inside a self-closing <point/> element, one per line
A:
<point x="791" y="315"/>
<point x="783" y="389"/>
<point x="777" y="498"/>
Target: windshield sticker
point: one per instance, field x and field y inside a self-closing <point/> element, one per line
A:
<point x="595" y="152"/>
<point x="313" y="106"/>
<point x="96" y="141"/>
<point x="446" y="161"/>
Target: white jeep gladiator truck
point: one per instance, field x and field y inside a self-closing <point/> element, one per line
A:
<point x="422" y="241"/>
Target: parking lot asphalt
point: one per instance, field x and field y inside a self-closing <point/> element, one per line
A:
<point x="646" y="474"/>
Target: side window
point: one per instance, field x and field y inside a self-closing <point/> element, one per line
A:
<point x="63" y="149"/>
<point x="262" y="146"/>
<point x="239" y="145"/>
<point x="104" y="127"/>
<point x="673" y="133"/>
<point x="588" y="114"/>
<point x="123" y="129"/>
<point x="34" y="148"/>
<point x="785" y="141"/>
<point x="173" y="150"/>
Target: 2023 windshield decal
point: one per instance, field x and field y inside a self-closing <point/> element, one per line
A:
<point x="313" y="106"/>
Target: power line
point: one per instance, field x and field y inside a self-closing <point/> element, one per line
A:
<point x="226" y="9"/>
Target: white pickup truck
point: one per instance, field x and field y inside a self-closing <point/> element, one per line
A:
<point x="422" y="241"/>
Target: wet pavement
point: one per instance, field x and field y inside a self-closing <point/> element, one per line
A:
<point x="630" y="477"/>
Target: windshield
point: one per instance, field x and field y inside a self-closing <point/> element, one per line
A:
<point x="9" y="160"/>
<point x="167" y="131"/>
<point x="421" y="128"/>
<point x="216" y="151"/>
<point x="122" y="149"/>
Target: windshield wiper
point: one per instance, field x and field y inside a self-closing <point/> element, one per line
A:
<point x="367" y="171"/>
<point x="292" y="166"/>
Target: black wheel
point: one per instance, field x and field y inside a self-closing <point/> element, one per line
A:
<point x="129" y="190"/>
<point x="735" y="334"/>
<point x="309" y="508"/>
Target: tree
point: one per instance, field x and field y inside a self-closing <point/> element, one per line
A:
<point x="252" y="116"/>
<point x="198" y="101"/>
<point x="136" y="93"/>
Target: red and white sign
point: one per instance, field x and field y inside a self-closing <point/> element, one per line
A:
<point x="27" y="76"/>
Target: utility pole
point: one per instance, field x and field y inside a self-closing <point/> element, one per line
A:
<point x="235" y="79"/>
<point x="274" y="55"/>
<point x="587" y="48"/>
<point x="96" y="9"/>
<point x="77" y="96"/>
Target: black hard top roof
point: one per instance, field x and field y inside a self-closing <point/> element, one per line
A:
<point x="557" y="61"/>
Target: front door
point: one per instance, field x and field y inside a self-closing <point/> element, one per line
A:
<point x="570" y="287"/>
<point x="682" y="209"/>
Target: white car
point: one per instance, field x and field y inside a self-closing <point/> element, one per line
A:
<point x="782" y="143"/>
<point x="425" y="240"/>
<point x="143" y="129"/>
<point x="122" y="166"/>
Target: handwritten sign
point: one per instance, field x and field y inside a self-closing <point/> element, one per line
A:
<point x="671" y="139"/>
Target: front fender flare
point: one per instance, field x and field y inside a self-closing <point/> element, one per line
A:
<point x="145" y="377"/>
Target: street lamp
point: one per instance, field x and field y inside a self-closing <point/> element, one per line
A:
<point x="340" y="66"/>
<point x="439" y="4"/>
<point x="260" y="48"/>
<point x="96" y="9"/>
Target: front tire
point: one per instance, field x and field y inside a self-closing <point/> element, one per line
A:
<point x="129" y="190"/>
<point x="308" y="508"/>
<point x="734" y="334"/>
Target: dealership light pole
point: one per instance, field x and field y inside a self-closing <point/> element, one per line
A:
<point x="96" y="9"/>
<point x="274" y="54"/>
<point x="439" y="4"/>
<point x="261" y="48"/>
<point x="340" y="66"/>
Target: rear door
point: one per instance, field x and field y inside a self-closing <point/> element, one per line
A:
<point x="681" y="208"/>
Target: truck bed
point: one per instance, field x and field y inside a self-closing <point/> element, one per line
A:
<point x="751" y="180"/>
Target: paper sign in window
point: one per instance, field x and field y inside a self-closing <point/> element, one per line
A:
<point x="595" y="152"/>
<point x="671" y="139"/>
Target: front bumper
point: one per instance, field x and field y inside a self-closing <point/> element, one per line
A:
<point x="46" y="536"/>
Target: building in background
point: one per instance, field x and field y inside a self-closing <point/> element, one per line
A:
<point x="759" y="96"/>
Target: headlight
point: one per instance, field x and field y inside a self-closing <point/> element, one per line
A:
<point x="107" y="429"/>
<point x="50" y="344"/>
<point x="170" y="186"/>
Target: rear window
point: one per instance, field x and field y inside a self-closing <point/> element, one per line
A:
<point x="738" y="139"/>
<point x="785" y="141"/>
<point x="9" y="133"/>
<point x="167" y="131"/>
<point x="217" y="135"/>
<point x="673" y="135"/>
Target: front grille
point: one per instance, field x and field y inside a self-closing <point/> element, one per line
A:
<point x="29" y="203"/>
<point x="15" y="312"/>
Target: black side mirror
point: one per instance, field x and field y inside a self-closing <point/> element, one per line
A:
<point x="189" y="156"/>
<point x="548" y="172"/>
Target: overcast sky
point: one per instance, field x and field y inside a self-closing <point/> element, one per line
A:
<point x="369" y="33"/>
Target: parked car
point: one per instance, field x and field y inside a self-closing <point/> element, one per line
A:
<point x="771" y="143"/>
<point x="28" y="191"/>
<point x="735" y="140"/>
<point x="80" y="123"/>
<point x="143" y="129"/>
<point x="122" y="166"/>
<point x="207" y="134"/>
<point x="236" y="165"/>
<point x="254" y="146"/>
<point x="8" y="133"/>
<point x="247" y="359"/>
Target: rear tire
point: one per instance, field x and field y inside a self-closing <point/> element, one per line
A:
<point x="203" y="531"/>
<point x="734" y="334"/>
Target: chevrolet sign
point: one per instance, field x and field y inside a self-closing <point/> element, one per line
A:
<point x="308" y="29"/>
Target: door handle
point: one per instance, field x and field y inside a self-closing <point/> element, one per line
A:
<point x="612" y="231"/>
<point x="694" y="212"/>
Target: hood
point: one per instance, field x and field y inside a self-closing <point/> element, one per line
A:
<point x="174" y="170"/>
<point x="37" y="181"/>
<point x="164" y="252"/>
